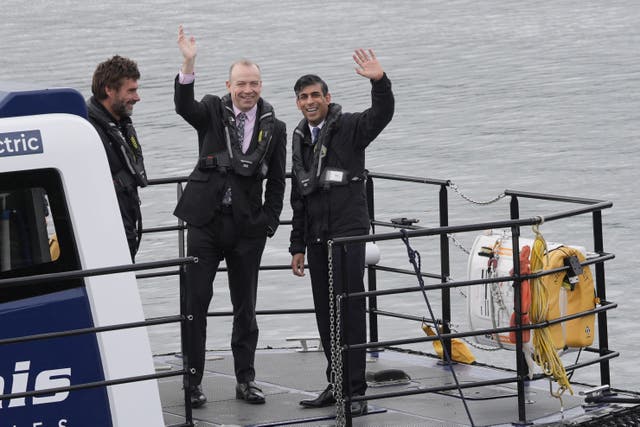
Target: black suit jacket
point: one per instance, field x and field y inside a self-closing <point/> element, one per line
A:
<point x="341" y="210"/>
<point x="202" y="196"/>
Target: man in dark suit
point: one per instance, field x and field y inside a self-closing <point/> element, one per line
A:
<point x="328" y="200"/>
<point x="241" y="144"/>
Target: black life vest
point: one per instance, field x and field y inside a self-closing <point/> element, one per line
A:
<point x="124" y="142"/>
<point x="309" y="179"/>
<point x="233" y="159"/>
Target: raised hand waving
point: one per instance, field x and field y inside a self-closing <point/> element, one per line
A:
<point x="368" y="65"/>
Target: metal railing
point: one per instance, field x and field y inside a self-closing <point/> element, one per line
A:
<point x="443" y="231"/>
<point x="75" y="274"/>
<point x="444" y="285"/>
<point x="593" y="207"/>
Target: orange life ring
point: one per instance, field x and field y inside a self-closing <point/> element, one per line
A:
<point x="525" y="297"/>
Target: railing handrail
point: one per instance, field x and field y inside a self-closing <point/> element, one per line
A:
<point x="75" y="274"/>
<point x="592" y="206"/>
<point x="420" y="180"/>
<point x="451" y="229"/>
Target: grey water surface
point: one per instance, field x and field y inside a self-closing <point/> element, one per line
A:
<point x="493" y="95"/>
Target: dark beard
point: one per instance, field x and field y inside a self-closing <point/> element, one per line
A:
<point x="120" y="108"/>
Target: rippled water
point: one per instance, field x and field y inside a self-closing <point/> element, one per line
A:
<point x="534" y="96"/>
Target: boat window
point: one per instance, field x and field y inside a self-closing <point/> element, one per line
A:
<point x="35" y="232"/>
<point x="27" y="232"/>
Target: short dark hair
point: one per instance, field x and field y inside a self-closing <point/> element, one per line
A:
<point x="308" y="80"/>
<point x="111" y="73"/>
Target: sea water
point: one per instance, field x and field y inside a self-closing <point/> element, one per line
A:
<point x="492" y="95"/>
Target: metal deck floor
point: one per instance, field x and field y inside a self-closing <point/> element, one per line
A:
<point x="287" y="376"/>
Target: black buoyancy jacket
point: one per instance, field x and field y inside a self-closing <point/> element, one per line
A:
<point x="124" y="152"/>
<point x="308" y="172"/>
<point x="330" y="210"/>
<point x="202" y="196"/>
<point x="327" y="211"/>
<point x="232" y="159"/>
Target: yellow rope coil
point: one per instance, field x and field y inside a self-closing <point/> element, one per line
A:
<point x="545" y="354"/>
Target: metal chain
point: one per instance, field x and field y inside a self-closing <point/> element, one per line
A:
<point x="497" y="296"/>
<point x="455" y="188"/>
<point x="452" y="236"/>
<point x="334" y="329"/>
<point x="460" y="246"/>
<point x="472" y="343"/>
<point x="457" y="243"/>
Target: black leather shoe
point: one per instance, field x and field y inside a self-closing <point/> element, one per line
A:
<point x="324" y="399"/>
<point x="359" y="408"/>
<point x="197" y="397"/>
<point x="249" y="392"/>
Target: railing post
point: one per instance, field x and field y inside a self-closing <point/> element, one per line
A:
<point x="603" y="334"/>
<point x="181" y="226"/>
<point x="521" y="365"/>
<point x="372" y="281"/>
<point x="185" y="325"/>
<point x="185" y="338"/>
<point x="445" y="268"/>
<point x="346" y="338"/>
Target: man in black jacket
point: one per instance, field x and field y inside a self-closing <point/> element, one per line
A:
<point x="241" y="143"/>
<point x="328" y="200"/>
<point x="115" y="92"/>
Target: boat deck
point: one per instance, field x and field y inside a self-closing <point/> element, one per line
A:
<point x="287" y="376"/>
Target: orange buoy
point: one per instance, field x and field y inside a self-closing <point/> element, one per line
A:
<point x="525" y="297"/>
